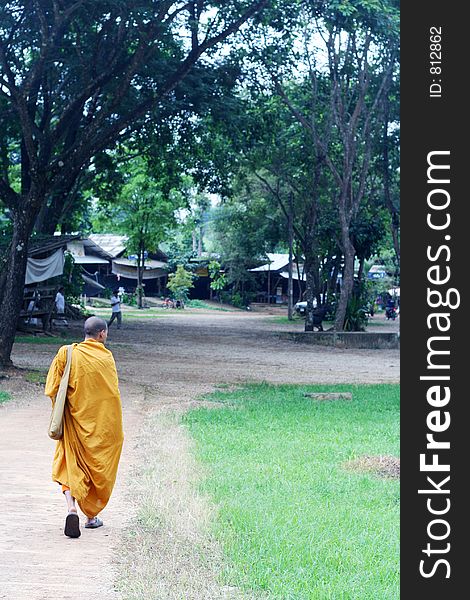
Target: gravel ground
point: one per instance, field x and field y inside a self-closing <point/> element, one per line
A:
<point x="220" y="347"/>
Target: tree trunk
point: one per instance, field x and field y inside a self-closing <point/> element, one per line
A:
<point x="50" y="215"/>
<point x="269" y="283"/>
<point x="299" y="278"/>
<point x="389" y="201"/>
<point x="140" y="269"/>
<point x="360" y="273"/>
<point x="309" y="294"/>
<point x="290" y="286"/>
<point x="311" y="285"/>
<point x="347" y="280"/>
<point x="333" y="279"/>
<point x="4" y="257"/>
<point x="200" y="242"/>
<point x="12" y="297"/>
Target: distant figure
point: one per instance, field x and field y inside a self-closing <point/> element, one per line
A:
<point x="115" y="309"/>
<point x="60" y="301"/>
<point x="86" y="457"/>
<point x="60" y="306"/>
<point x="32" y="306"/>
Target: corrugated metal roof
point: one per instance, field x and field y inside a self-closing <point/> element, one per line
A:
<point x="277" y="262"/>
<point x="90" y="260"/>
<point x="42" y="244"/>
<point x="295" y="275"/>
<point x="113" y="244"/>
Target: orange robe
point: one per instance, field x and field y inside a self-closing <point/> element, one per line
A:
<point x="86" y="458"/>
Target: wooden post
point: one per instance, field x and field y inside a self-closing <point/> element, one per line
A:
<point x="269" y="283"/>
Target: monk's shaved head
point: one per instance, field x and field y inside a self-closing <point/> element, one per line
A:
<point x="94" y="326"/>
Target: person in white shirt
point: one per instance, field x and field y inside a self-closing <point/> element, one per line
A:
<point x="115" y="309"/>
<point x="60" y="301"/>
<point x="60" y="307"/>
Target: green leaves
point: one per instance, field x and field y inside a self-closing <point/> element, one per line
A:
<point x="180" y="282"/>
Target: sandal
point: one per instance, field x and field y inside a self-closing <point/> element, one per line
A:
<point x="72" y="525"/>
<point x="96" y="522"/>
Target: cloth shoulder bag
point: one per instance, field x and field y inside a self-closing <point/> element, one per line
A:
<point x="56" y="427"/>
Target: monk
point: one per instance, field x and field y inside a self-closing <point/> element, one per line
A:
<point x="86" y="458"/>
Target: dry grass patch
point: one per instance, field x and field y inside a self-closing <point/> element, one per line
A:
<point x="381" y="466"/>
<point x="168" y="552"/>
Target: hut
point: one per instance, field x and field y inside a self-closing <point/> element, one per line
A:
<point x="274" y="276"/>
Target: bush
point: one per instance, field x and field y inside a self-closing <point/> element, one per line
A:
<point x="129" y="299"/>
<point x="180" y="282"/>
<point x="357" y="314"/>
<point x="237" y="301"/>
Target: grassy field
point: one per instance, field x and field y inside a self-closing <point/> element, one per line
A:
<point x="156" y="312"/>
<point x="292" y="519"/>
<point x="130" y="313"/>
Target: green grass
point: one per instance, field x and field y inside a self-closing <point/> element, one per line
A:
<point x="285" y="320"/>
<point x="4" y="397"/>
<point x="36" y="377"/>
<point x="201" y="304"/>
<point x="133" y="313"/>
<point x="293" y="522"/>
<point x="157" y="311"/>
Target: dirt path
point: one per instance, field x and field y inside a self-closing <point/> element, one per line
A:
<point x="37" y="562"/>
<point x="164" y="364"/>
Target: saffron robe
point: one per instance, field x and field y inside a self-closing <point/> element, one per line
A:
<point x="86" y="458"/>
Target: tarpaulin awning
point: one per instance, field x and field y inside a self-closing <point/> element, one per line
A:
<point x="153" y="269"/>
<point x="40" y="269"/>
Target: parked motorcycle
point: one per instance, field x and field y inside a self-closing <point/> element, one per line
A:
<point x="391" y="312"/>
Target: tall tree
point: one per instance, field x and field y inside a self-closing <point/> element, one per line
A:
<point x="144" y="213"/>
<point x="243" y="228"/>
<point x="345" y="53"/>
<point x="75" y="77"/>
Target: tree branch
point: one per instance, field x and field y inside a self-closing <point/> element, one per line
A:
<point x="10" y="197"/>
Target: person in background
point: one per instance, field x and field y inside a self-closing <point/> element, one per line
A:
<point x="60" y="302"/>
<point x="87" y="456"/>
<point x="60" y="306"/>
<point x="115" y="309"/>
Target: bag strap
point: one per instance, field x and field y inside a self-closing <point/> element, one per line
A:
<point x="66" y="373"/>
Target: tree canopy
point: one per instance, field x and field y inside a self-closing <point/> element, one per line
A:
<point x="74" y="79"/>
<point x="287" y="109"/>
